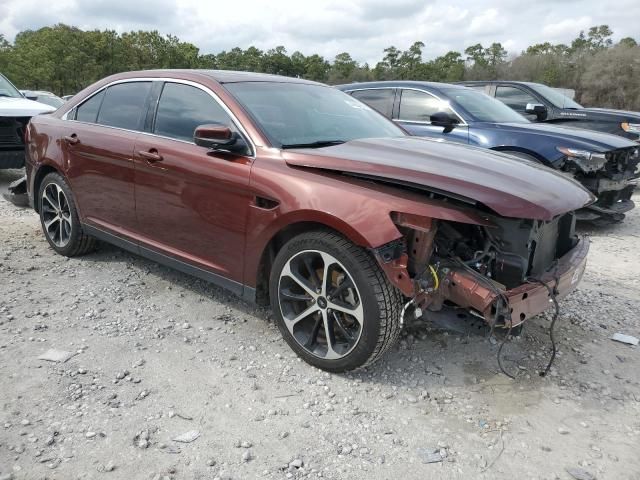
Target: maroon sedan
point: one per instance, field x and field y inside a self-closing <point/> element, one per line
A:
<point x="292" y="193"/>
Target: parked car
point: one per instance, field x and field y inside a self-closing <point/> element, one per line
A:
<point x="541" y="103"/>
<point x="289" y="192"/>
<point x="605" y="164"/>
<point x="41" y="96"/>
<point x="15" y="112"/>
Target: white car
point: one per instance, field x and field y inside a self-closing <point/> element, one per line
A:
<point x="15" y="112"/>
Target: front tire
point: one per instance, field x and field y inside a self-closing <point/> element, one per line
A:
<point x="59" y="218"/>
<point x="332" y="303"/>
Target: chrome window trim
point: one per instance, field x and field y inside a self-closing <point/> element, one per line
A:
<point x="207" y="90"/>
<point x="463" y="121"/>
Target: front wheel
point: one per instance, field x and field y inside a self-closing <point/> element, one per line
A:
<point x="332" y="303"/>
<point x="59" y="217"/>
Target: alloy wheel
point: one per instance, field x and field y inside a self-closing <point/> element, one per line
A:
<point x="320" y="304"/>
<point x="56" y="215"/>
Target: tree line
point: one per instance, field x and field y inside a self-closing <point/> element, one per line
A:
<point x="64" y="59"/>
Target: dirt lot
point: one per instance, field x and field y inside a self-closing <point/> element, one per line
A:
<point x="159" y="354"/>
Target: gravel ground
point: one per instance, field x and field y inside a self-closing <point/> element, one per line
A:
<point x="161" y="357"/>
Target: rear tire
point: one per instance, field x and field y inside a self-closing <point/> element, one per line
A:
<point x="332" y="303"/>
<point x="59" y="218"/>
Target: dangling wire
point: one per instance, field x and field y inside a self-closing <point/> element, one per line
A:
<point x="552" y="294"/>
<point x="499" y="307"/>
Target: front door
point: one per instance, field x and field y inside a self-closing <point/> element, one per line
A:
<point x="414" y="114"/>
<point x="191" y="203"/>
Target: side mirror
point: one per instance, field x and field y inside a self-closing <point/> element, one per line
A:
<point x="218" y="137"/>
<point x="537" y="109"/>
<point x="445" y="120"/>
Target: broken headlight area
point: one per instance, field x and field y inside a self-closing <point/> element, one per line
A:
<point x="613" y="184"/>
<point x="585" y="160"/>
<point x="505" y="273"/>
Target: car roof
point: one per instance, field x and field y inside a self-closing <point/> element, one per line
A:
<point x="220" y="76"/>
<point x="490" y="82"/>
<point x="398" y="84"/>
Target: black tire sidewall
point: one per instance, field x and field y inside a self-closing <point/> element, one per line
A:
<point x="368" y="340"/>
<point x="76" y="231"/>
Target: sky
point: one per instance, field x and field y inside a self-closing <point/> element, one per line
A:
<point x="361" y="27"/>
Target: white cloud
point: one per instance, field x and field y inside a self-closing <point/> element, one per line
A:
<point x="559" y="30"/>
<point x="361" y="27"/>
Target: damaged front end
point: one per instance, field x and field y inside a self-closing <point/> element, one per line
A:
<point x="504" y="273"/>
<point x="610" y="176"/>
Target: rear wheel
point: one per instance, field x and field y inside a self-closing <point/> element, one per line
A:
<point x="59" y="218"/>
<point x="332" y="303"/>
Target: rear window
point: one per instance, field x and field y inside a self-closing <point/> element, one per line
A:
<point x="123" y="105"/>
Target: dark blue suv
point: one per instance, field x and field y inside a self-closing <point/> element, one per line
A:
<point x="605" y="164"/>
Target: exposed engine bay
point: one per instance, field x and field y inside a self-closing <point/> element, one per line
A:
<point x="500" y="273"/>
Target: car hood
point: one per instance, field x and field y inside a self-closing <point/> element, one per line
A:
<point x="567" y="136"/>
<point x="509" y="186"/>
<point x="621" y="115"/>
<point x="22" y="107"/>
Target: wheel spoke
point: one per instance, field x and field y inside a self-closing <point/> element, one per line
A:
<point x="312" y="341"/>
<point x="287" y="294"/>
<point x="346" y="283"/>
<point x="328" y="331"/>
<point x="60" y="195"/>
<point x="50" y="200"/>
<point x="328" y="261"/>
<point x="48" y="224"/>
<point x="341" y="327"/>
<point x="286" y="272"/>
<point x="312" y="272"/>
<point x="302" y="315"/>
<point x="60" y="233"/>
<point x="355" y="312"/>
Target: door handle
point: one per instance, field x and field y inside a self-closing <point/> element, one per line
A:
<point x="72" y="139"/>
<point x="150" y="156"/>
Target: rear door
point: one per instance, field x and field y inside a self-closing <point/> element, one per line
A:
<point x="414" y="114"/>
<point x="98" y="147"/>
<point x="380" y="99"/>
<point x="191" y="202"/>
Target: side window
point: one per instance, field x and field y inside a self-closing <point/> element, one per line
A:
<point x="183" y="107"/>
<point x="123" y="105"/>
<point x="419" y="106"/>
<point x="379" y="99"/>
<point x="514" y="97"/>
<point x="88" y="111"/>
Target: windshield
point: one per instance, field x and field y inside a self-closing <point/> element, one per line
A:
<point x="481" y="107"/>
<point x="554" y="96"/>
<point x="7" y="89"/>
<point x="299" y="115"/>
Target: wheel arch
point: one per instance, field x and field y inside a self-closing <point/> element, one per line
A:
<point x="286" y="233"/>
<point x="526" y="151"/>
<point x="42" y="171"/>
